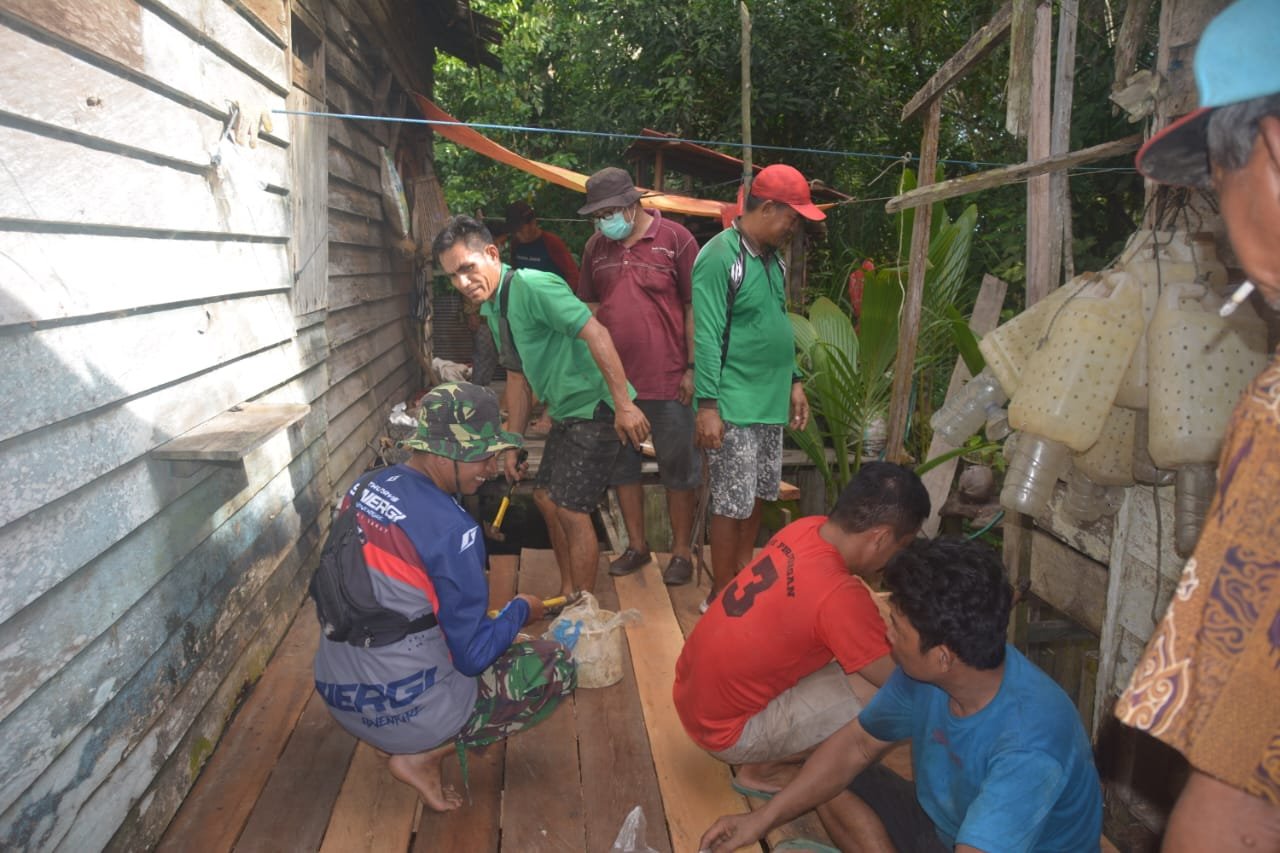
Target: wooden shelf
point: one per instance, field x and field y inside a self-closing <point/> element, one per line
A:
<point x="234" y="434"/>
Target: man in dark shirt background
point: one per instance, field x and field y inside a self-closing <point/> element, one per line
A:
<point x="535" y="249"/>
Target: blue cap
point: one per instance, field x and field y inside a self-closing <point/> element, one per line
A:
<point x="1238" y="59"/>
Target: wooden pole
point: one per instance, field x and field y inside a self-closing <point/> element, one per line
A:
<point x="1061" y="258"/>
<point x="745" y="17"/>
<point x="1039" y="211"/>
<point x="909" y="325"/>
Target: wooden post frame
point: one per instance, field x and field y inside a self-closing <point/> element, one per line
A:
<point x="909" y="324"/>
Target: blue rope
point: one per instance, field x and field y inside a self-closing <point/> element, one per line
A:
<point x="517" y="128"/>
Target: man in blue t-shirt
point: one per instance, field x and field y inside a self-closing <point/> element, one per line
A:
<point x="1000" y="759"/>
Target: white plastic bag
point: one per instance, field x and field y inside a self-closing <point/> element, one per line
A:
<point x="631" y="837"/>
<point x="594" y="636"/>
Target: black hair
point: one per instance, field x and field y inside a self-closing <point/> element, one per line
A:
<point x="1234" y="128"/>
<point x="954" y="593"/>
<point x="752" y="202"/>
<point x="461" y="229"/>
<point x="882" y="493"/>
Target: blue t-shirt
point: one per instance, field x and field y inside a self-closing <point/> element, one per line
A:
<point x="1017" y="775"/>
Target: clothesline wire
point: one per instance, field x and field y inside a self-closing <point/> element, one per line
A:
<point x="516" y="128"/>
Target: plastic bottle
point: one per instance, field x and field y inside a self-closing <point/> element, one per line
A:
<point x="1158" y="259"/>
<point x="1110" y="461"/>
<point x="1197" y="366"/>
<point x="1034" y="467"/>
<point x="1070" y="382"/>
<point x="1085" y="501"/>
<point x="1008" y="348"/>
<point x="966" y="412"/>
<point x="1193" y="492"/>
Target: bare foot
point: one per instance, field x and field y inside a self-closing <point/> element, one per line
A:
<point x="422" y="771"/>
<point x="770" y="777"/>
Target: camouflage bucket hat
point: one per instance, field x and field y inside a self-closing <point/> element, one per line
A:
<point x="461" y="421"/>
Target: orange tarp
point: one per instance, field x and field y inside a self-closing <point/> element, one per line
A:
<point x="481" y="144"/>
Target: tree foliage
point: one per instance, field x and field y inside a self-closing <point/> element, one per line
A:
<point x="827" y="75"/>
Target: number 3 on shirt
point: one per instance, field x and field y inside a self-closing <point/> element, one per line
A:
<point x="738" y="596"/>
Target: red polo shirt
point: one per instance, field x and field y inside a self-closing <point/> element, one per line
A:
<point x="643" y="290"/>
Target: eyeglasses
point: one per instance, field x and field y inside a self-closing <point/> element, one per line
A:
<point x="606" y="213"/>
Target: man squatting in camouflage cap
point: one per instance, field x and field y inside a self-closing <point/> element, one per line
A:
<point x="463" y="682"/>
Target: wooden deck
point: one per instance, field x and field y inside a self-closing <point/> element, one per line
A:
<point x="285" y="777"/>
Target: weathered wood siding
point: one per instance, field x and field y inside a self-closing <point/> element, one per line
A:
<point x="142" y="292"/>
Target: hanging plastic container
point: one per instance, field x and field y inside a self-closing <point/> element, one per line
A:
<point x="966" y="412"/>
<point x="1158" y="259"/>
<point x="1144" y="469"/>
<point x="1193" y="492"/>
<point x="1009" y="348"/>
<point x="1035" y="466"/>
<point x="1071" y="380"/>
<point x="1110" y="461"/>
<point x="1198" y="365"/>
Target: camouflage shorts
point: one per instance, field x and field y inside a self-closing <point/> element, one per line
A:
<point x="519" y="690"/>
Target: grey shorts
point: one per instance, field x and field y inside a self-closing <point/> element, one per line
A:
<point x="746" y="466"/>
<point x="577" y="459"/>
<point x="797" y="719"/>
<point x="894" y="801"/>
<point x="671" y="430"/>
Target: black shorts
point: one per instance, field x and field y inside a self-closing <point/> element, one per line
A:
<point x="671" y="431"/>
<point x="894" y="801"/>
<point x="578" y="457"/>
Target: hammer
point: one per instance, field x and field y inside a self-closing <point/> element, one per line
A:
<point x="552" y="606"/>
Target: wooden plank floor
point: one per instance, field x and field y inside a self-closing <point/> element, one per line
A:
<point x="285" y="777"/>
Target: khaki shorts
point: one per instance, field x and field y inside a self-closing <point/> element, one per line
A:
<point x="796" y="720"/>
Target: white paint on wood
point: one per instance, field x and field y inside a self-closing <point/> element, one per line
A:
<point x="137" y="38"/>
<point x="348" y="324"/>
<point x="91" y="187"/>
<point x="78" y="368"/>
<point x="62" y="276"/>
<point x="143" y="661"/>
<point x="310" y="247"/>
<point x="121" y="728"/>
<point x="216" y="23"/>
<point x="121" y="433"/>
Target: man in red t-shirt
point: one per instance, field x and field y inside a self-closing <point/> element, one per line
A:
<point x="639" y="267"/>
<point x="795" y="646"/>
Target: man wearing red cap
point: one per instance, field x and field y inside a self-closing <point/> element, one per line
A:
<point x="1209" y="682"/>
<point x="744" y="356"/>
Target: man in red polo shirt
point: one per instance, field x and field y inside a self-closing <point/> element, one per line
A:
<point x="638" y="266"/>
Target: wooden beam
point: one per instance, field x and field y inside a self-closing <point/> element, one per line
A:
<point x="1009" y="174"/>
<point x="232" y="435"/>
<point x="909" y="325"/>
<point x="1133" y="32"/>
<point x="1039" y="210"/>
<point x="978" y="46"/>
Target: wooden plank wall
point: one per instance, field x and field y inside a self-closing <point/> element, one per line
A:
<point x="143" y="292"/>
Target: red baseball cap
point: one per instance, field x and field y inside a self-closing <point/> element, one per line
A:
<point x="785" y="184"/>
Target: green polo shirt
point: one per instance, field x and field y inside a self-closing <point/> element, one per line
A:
<point x="753" y="386"/>
<point x="545" y="319"/>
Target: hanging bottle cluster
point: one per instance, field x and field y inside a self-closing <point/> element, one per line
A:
<point x="1123" y="377"/>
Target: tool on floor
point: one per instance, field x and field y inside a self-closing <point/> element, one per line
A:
<point x="552" y="606"/>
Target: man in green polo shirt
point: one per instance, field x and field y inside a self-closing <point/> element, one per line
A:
<point x="548" y="341"/>
<point x="744" y="363"/>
